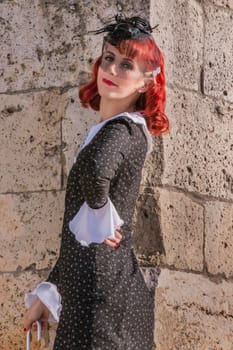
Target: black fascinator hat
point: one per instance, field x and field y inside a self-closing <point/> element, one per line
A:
<point x="136" y="28"/>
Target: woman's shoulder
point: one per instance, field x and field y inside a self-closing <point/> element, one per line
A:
<point x="131" y="126"/>
<point x="130" y="120"/>
<point x="137" y="127"/>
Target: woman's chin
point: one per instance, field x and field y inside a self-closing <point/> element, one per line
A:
<point x="110" y="95"/>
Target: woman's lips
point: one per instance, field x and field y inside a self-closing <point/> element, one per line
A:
<point x="108" y="82"/>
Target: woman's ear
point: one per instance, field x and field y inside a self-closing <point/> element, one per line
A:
<point x="142" y="89"/>
<point x="145" y="87"/>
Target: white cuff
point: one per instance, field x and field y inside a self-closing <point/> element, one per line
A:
<point x="48" y="294"/>
<point x="95" y="225"/>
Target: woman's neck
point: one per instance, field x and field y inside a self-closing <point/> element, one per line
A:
<point x="110" y="108"/>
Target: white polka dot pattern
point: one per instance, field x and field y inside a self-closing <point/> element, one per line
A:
<point x="105" y="302"/>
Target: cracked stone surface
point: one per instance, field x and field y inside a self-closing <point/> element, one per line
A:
<point x="195" y="312"/>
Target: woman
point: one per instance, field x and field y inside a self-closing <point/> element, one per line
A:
<point x="96" y="289"/>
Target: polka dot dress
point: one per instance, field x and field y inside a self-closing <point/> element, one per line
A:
<point x="105" y="302"/>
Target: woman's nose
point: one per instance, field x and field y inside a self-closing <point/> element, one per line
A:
<point x="113" y="69"/>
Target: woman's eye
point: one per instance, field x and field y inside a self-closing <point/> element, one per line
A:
<point x="127" y="65"/>
<point x="108" y="58"/>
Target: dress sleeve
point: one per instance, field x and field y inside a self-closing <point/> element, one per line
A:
<point x="97" y="219"/>
<point x="54" y="276"/>
<point x="101" y="159"/>
<point x="48" y="293"/>
<point x="95" y="225"/>
<point x="50" y="297"/>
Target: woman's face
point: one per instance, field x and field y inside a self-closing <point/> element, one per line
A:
<point x="119" y="76"/>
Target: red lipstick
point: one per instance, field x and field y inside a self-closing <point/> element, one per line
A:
<point x="108" y="82"/>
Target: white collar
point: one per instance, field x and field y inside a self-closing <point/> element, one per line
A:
<point x="135" y="116"/>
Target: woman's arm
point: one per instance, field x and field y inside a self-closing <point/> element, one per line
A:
<point x="97" y="220"/>
<point x="54" y="275"/>
<point x="102" y="158"/>
<point x="44" y="304"/>
<point x="45" y="300"/>
<point x="37" y="312"/>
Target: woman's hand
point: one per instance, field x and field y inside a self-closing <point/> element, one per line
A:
<point x="37" y="312"/>
<point x="114" y="243"/>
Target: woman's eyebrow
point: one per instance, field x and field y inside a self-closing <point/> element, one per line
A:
<point x="107" y="51"/>
<point x="124" y="58"/>
<point x="128" y="59"/>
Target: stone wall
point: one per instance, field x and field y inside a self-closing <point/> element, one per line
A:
<point x="183" y="221"/>
<point x="191" y="200"/>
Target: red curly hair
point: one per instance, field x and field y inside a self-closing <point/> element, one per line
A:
<point x="150" y="104"/>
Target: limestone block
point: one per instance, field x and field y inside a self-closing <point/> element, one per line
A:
<point x="193" y="313"/>
<point x="182" y="225"/>
<point x="218" y="69"/>
<point x="224" y="3"/>
<point x="180" y="37"/>
<point x="30" y="228"/>
<point x="76" y="122"/>
<point x="219" y="237"/>
<point x="12" y="310"/>
<point x="30" y="141"/>
<point x="198" y="151"/>
<point x="45" y="43"/>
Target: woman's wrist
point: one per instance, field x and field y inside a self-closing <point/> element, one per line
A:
<point x="40" y="305"/>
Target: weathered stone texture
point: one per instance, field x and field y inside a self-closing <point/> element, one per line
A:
<point x="218" y="68"/>
<point x="30" y="141"/>
<point x="182" y="224"/>
<point x="224" y="3"/>
<point x="12" y="309"/>
<point x="75" y="123"/>
<point x="198" y="151"/>
<point x="30" y="227"/>
<point x="44" y="43"/>
<point x="180" y="36"/>
<point x="219" y="237"/>
<point x="193" y="313"/>
<point x="40" y="47"/>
